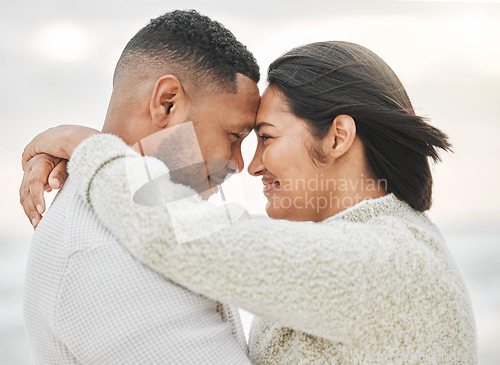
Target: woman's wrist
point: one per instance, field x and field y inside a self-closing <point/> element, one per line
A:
<point x="75" y="137"/>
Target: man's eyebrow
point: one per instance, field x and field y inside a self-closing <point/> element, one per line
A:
<point x="263" y="124"/>
<point x="245" y="132"/>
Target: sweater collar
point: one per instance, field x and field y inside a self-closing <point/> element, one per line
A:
<point x="370" y="208"/>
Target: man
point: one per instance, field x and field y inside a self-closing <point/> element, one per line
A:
<point x="87" y="300"/>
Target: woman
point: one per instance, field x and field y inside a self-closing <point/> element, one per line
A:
<point x="352" y="271"/>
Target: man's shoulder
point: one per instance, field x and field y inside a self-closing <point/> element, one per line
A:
<point x="71" y="232"/>
<point x="71" y="235"/>
<point x="72" y="223"/>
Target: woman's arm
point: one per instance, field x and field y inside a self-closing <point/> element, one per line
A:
<point x="317" y="278"/>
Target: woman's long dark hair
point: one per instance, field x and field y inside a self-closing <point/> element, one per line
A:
<point x="323" y="80"/>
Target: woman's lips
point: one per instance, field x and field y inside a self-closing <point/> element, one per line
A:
<point x="269" y="186"/>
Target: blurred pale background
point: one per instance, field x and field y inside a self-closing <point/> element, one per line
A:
<point x="57" y="63"/>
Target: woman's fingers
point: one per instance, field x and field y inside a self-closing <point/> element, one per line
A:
<point x="28" y="204"/>
<point x="59" y="175"/>
<point x="35" y="182"/>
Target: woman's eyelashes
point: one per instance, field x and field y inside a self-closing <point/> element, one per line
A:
<point x="263" y="137"/>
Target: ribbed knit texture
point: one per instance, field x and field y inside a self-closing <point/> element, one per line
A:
<point x="89" y="301"/>
<point x="374" y="284"/>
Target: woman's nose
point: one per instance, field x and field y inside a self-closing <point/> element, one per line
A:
<point x="256" y="166"/>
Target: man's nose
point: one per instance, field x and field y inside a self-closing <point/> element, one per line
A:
<point x="236" y="163"/>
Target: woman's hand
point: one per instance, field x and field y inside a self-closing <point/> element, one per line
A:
<point x="44" y="164"/>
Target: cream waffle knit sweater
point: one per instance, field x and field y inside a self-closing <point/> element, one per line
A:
<point x="374" y="284"/>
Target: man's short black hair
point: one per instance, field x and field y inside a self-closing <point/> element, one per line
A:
<point x="190" y="46"/>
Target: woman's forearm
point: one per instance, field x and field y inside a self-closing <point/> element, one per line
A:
<point x="59" y="142"/>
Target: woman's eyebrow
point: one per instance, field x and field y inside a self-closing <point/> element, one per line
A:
<point x="263" y="124"/>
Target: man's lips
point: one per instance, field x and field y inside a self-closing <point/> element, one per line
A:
<point x="215" y="180"/>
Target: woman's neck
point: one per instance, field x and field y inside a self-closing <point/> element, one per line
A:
<point x="351" y="189"/>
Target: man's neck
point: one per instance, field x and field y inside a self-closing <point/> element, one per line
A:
<point x="122" y="118"/>
<point x="121" y="127"/>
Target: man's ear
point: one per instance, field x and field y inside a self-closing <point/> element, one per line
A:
<point x="340" y="136"/>
<point x="168" y="104"/>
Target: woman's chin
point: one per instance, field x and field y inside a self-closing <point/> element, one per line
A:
<point x="271" y="211"/>
<point x="290" y="214"/>
<point x="275" y="212"/>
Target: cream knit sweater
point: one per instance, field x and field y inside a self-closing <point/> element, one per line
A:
<point x="374" y="284"/>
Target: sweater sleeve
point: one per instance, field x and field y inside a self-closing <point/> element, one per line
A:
<point x="307" y="276"/>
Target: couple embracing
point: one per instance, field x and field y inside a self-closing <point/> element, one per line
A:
<point x="132" y="264"/>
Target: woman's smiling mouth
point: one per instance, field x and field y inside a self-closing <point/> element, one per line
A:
<point x="270" y="185"/>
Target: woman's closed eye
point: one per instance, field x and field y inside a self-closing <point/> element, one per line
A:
<point x="263" y="137"/>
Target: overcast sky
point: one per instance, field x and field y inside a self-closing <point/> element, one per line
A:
<point x="58" y="58"/>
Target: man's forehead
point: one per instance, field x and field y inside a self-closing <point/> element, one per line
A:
<point x="247" y="120"/>
<point x="244" y="105"/>
<point x="247" y="89"/>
